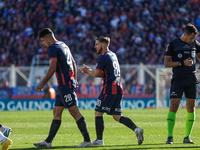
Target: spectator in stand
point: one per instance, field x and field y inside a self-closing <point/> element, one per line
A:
<point x="150" y="22"/>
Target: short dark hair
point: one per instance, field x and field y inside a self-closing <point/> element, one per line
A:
<point x="103" y="39"/>
<point x="190" y="28"/>
<point x="45" y="32"/>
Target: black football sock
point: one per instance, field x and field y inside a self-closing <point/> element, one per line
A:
<point x="83" y="128"/>
<point x="0" y="125"/>
<point x="99" y="127"/>
<point x="127" y="122"/>
<point x="53" y="130"/>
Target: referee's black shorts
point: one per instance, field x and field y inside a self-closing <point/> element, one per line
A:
<point x="186" y="83"/>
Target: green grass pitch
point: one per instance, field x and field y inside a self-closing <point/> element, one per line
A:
<point x="30" y="126"/>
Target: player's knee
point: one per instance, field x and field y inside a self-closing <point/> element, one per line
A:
<point x="116" y="117"/>
<point x="75" y="113"/>
<point x="57" y="116"/>
<point x="97" y="114"/>
<point x="173" y="108"/>
<point x="190" y="109"/>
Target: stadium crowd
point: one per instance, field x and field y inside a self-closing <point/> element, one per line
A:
<point x="139" y="29"/>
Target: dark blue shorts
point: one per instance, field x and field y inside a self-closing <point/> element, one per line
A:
<point x="186" y="83"/>
<point x="111" y="104"/>
<point x="65" y="97"/>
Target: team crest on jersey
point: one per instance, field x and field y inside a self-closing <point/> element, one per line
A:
<point x="179" y="55"/>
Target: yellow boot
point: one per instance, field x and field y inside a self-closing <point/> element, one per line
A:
<point x="6" y="144"/>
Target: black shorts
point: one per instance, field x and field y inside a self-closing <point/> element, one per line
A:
<point x="111" y="104"/>
<point x="65" y="97"/>
<point x="186" y="83"/>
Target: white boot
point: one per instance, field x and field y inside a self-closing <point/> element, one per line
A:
<point x="2" y="138"/>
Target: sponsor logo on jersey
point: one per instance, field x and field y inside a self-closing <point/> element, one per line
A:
<point x="186" y="52"/>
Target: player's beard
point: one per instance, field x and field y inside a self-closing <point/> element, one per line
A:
<point x="99" y="52"/>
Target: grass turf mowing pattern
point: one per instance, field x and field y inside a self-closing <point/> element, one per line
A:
<point x="30" y="126"/>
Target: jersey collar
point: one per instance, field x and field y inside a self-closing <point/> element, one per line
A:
<point x="54" y="42"/>
<point x="106" y="51"/>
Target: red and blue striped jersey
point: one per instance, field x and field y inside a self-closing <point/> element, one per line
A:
<point x="64" y="70"/>
<point x="109" y="66"/>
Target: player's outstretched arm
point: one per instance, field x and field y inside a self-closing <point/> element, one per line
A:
<point x="86" y="69"/>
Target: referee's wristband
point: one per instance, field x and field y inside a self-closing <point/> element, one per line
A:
<point x="181" y="63"/>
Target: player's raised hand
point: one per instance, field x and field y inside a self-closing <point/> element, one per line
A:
<point x="85" y="69"/>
